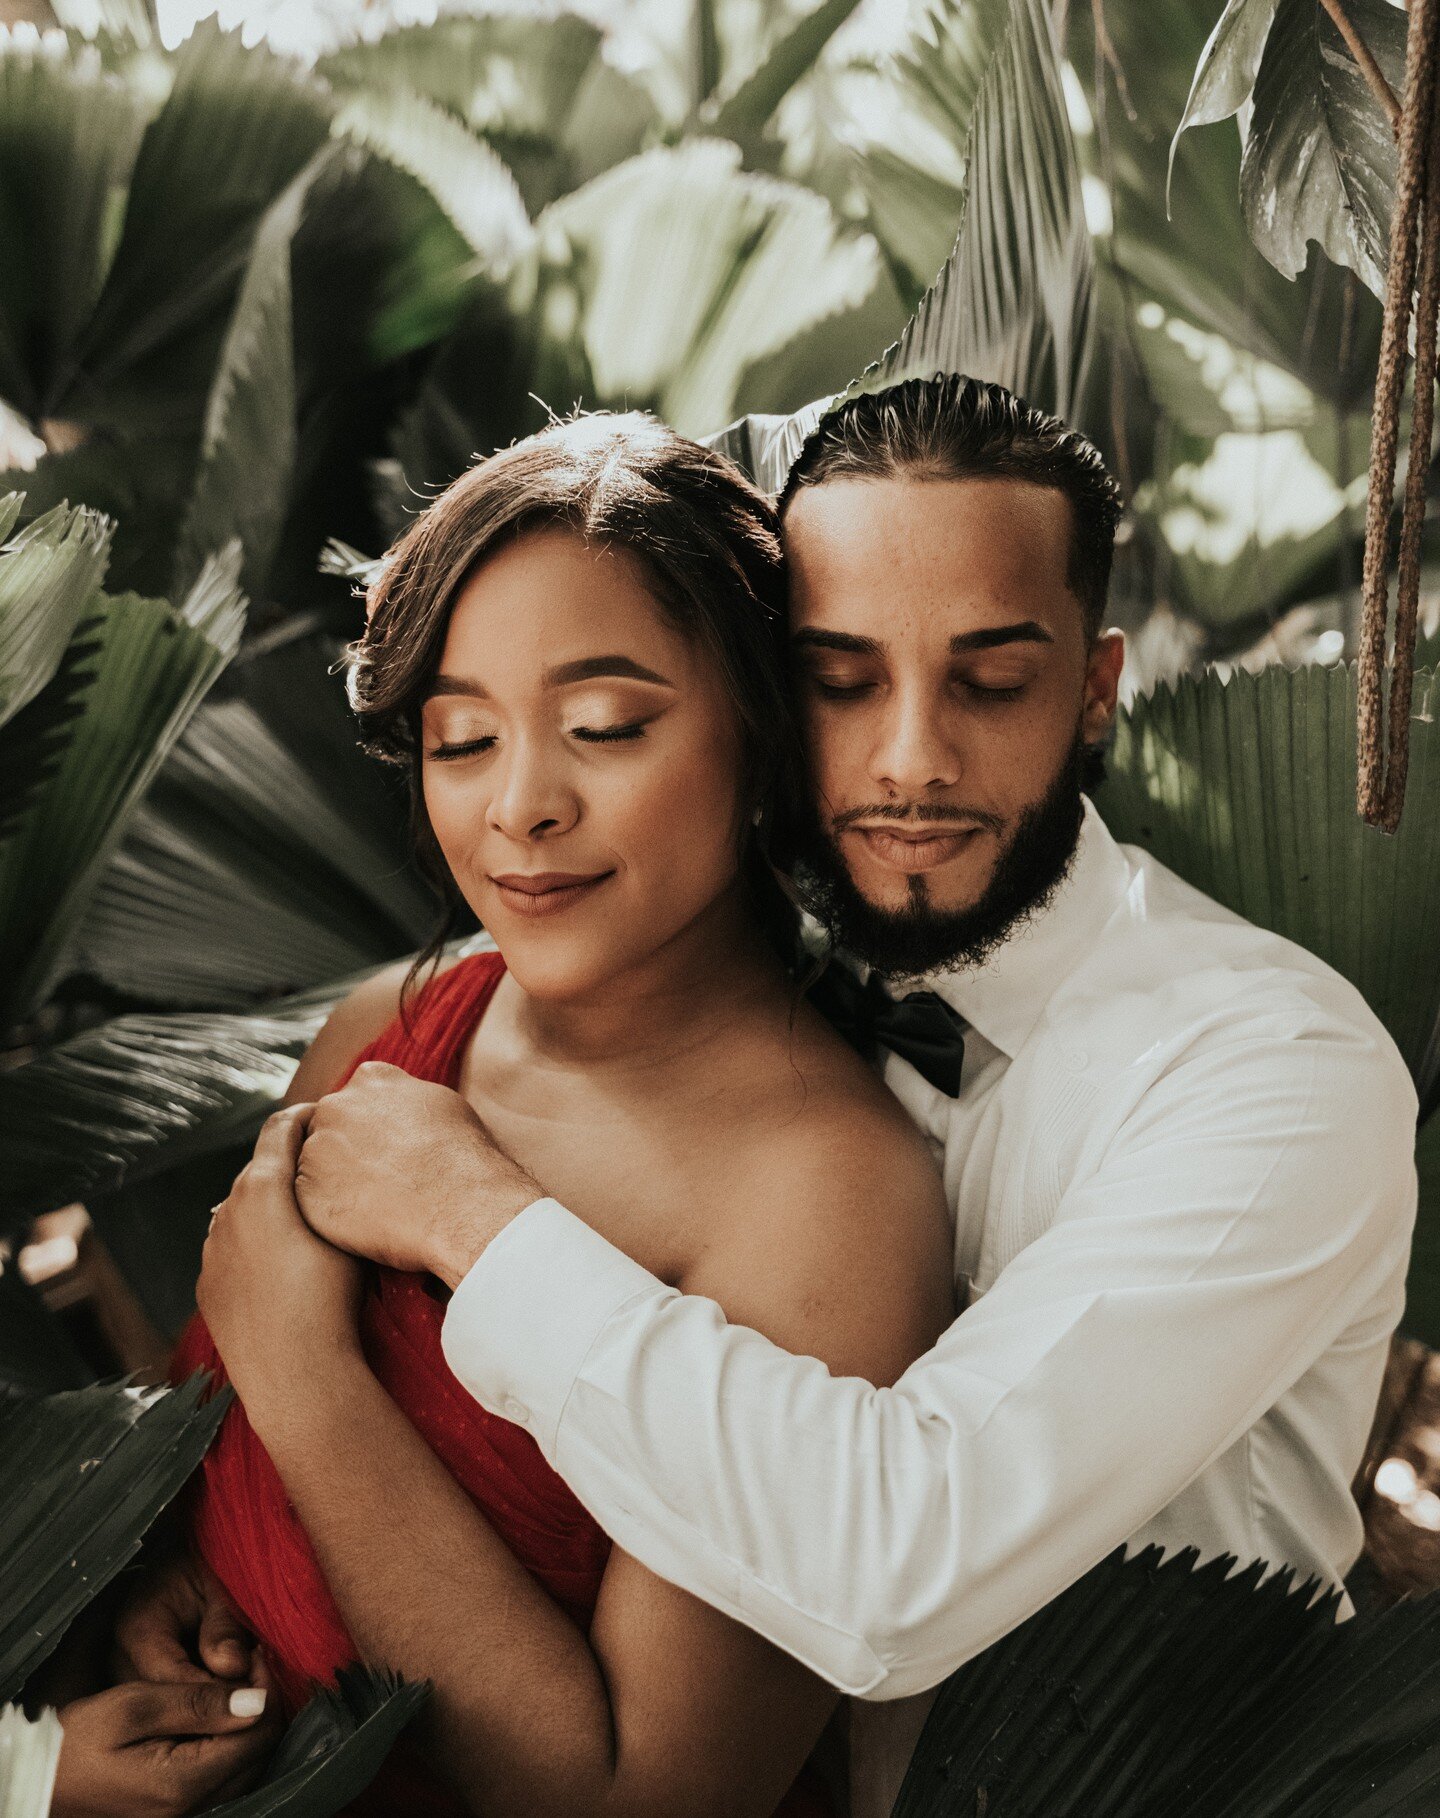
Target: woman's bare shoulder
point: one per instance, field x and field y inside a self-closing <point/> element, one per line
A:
<point x="361" y="1015"/>
<point x="839" y="1241"/>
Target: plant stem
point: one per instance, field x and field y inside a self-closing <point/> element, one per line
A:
<point x="1363" y="55"/>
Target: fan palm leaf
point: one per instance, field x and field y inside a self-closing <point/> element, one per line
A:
<point x="1012" y="302"/>
<point x="1246" y="787"/>
<point x="50" y="573"/>
<point x="333" y="1749"/>
<point x="741" y="109"/>
<point x="153" y="665"/>
<point x="86" y="1474"/>
<point x="1167" y="1689"/>
<point x="69" y="134"/>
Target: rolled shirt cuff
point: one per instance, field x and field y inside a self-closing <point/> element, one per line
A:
<point x="523" y="1320"/>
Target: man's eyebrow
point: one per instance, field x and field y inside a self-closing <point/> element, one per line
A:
<point x="1024" y="631"/>
<point x="583" y="669"/>
<point x="815" y="639"/>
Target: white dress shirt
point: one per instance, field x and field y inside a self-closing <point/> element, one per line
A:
<point x="1182" y="1170"/>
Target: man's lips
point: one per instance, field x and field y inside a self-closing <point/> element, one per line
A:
<point x="912" y="849"/>
<point x="545" y="892"/>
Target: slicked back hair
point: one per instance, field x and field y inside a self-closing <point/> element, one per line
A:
<point x="952" y="427"/>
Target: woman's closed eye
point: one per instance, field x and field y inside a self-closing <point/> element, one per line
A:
<point x="587" y="735"/>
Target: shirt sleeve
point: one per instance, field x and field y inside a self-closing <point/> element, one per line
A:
<point x="1259" y="1194"/>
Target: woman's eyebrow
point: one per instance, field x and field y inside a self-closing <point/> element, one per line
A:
<point x="582" y="669"/>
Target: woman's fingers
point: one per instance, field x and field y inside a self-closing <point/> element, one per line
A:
<point x="153" y="1629"/>
<point x="224" y="1641"/>
<point x="148" y="1712"/>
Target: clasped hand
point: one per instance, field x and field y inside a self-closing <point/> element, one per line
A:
<point x="388" y="1167"/>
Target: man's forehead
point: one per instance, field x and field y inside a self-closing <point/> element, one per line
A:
<point x="867" y="555"/>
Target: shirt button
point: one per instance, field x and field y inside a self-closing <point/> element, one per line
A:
<point x="516" y="1411"/>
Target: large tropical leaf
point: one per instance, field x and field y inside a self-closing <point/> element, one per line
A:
<point x="1246" y="787"/>
<point x="85" y="1474"/>
<point x="1012" y="303"/>
<point x="333" y="1749"/>
<point x="153" y="666"/>
<point x="141" y="1092"/>
<point x="247" y="451"/>
<point x="238" y="125"/>
<point x="1320" y="158"/>
<point x="270" y="854"/>
<point x="687" y="270"/>
<point x="29" y="1752"/>
<point x="69" y="132"/>
<point x="49" y="573"/>
<point x="538" y="88"/>
<point x="1155" y="1686"/>
<point x="743" y="107"/>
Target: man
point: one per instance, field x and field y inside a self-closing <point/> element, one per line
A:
<point x="1179" y="1156"/>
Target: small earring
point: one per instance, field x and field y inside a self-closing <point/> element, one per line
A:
<point x="757" y="817"/>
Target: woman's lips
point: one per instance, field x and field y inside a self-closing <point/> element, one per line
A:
<point x="924" y="849"/>
<point x="545" y="892"/>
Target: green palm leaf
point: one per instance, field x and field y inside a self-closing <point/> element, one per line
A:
<point x="69" y="132"/>
<point x="85" y="1474"/>
<point x="1153" y="1687"/>
<point x="687" y="271"/>
<point x="141" y="1092"/>
<point x="1246" y="787"/>
<point x="741" y="110"/>
<point x="247" y="451"/>
<point x="269" y="854"/>
<point x="1012" y="303"/>
<point x="29" y="1752"/>
<point x="237" y="126"/>
<point x="333" y="1749"/>
<point x="153" y="666"/>
<point x="50" y="573"/>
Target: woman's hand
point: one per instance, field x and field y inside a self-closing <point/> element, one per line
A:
<point x="177" y="1624"/>
<point x="280" y="1302"/>
<point x="156" y="1751"/>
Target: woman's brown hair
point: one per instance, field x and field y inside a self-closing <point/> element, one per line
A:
<point x="708" y="543"/>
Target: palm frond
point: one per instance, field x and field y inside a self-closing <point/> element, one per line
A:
<point x="1246" y="788"/>
<point x="140" y="1092"/>
<point x="1013" y="301"/>
<point x="741" y="110"/>
<point x="1162" y="1686"/>
<point x="49" y="574"/>
<point x="35" y="740"/>
<point x="687" y="271"/>
<point x="154" y="665"/>
<point x="29" y="1753"/>
<point x="85" y="1474"/>
<point x="69" y="132"/>
<point x="247" y="450"/>
<point x="238" y="125"/>
<point x="333" y="1749"/>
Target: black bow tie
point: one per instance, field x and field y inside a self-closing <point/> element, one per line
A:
<point x="921" y="1028"/>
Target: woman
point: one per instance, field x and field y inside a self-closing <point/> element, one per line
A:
<point x="573" y="652"/>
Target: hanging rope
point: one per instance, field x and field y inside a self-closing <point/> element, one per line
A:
<point x="1384" y="733"/>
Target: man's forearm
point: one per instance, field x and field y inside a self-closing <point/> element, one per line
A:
<point x="426" y="1586"/>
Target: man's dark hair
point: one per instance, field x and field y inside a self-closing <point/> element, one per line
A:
<point x="955" y="428"/>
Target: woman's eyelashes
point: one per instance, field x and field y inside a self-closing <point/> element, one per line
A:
<point x="587" y="735"/>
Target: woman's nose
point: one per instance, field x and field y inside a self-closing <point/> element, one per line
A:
<point x="532" y="799"/>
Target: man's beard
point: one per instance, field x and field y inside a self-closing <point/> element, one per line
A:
<point x="908" y="942"/>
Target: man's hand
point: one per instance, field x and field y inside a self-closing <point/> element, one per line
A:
<point x="178" y="1625"/>
<point x="282" y="1305"/>
<point x="153" y="1751"/>
<point x="402" y="1170"/>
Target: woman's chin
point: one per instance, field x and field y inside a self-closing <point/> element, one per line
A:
<point x="554" y="971"/>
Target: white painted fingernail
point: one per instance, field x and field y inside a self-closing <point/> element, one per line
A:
<point x="249" y="1701"/>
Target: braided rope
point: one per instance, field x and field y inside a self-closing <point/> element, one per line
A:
<point x="1383" y="752"/>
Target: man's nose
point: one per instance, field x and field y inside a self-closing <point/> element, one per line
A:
<point x="532" y="799"/>
<point x="915" y="751"/>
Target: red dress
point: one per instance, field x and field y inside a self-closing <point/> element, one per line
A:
<point x="240" y="1521"/>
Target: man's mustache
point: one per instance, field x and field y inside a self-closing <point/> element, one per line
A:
<point x="930" y="813"/>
